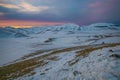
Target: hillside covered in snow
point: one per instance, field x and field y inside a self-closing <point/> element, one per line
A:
<point x="70" y="28"/>
<point x="66" y="52"/>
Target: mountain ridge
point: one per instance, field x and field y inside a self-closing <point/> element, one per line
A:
<point x="8" y="32"/>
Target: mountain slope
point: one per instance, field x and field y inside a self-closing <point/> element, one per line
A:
<point x="70" y="28"/>
<point x="66" y="52"/>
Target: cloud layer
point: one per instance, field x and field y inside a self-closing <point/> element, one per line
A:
<point x="60" y="11"/>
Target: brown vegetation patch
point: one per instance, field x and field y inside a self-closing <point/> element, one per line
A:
<point x="53" y="58"/>
<point x="72" y="62"/>
<point x="35" y="53"/>
<point x="86" y="51"/>
<point x="13" y="71"/>
<point x="18" y="69"/>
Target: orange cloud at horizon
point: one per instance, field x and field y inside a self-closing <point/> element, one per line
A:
<point x="26" y="24"/>
<point x="22" y="26"/>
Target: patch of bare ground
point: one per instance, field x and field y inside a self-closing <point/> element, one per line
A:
<point x="49" y="40"/>
<point x="15" y="70"/>
<point x="96" y="38"/>
<point x="72" y="62"/>
<point x="35" y="53"/>
<point x="18" y="69"/>
<point x="85" y="52"/>
<point x="99" y="37"/>
<point x="51" y="51"/>
<point x="53" y="58"/>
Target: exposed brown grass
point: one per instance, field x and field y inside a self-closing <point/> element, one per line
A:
<point x="54" y="51"/>
<point x="86" y="51"/>
<point x="67" y="49"/>
<point x="53" y="58"/>
<point x="18" y="69"/>
<point x="35" y="53"/>
<point x="72" y="62"/>
<point x="32" y="73"/>
<point x="21" y="68"/>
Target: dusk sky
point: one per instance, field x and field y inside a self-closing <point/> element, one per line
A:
<point x="54" y="12"/>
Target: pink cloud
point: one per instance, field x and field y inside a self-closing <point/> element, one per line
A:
<point x="100" y="9"/>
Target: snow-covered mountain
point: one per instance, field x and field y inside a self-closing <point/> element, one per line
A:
<point x="70" y="28"/>
<point x="12" y="32"/>
<point x="66" y="52"/>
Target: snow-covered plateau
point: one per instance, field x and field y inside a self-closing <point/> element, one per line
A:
<point x="66" y="52"/>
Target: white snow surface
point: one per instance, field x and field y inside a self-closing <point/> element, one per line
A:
<point x="96" y="66"/>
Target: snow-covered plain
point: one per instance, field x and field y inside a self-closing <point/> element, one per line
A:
<point x="67" y="52"/>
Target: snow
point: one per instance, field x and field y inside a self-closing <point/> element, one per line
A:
<point x="12" y="49"/>
<point x="110" y="40"/>
<point x="68" y="28"/>
<point x="98" y="65"/>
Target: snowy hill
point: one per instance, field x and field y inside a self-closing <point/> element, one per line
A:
<point x="12" y="32"/>
<point x="70" y="28"/>
<point x="66" y="52"/>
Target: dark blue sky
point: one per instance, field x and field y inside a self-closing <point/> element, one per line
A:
<point x="58" y="11"/>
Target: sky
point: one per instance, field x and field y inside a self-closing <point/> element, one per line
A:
<point x="56" y="12"/>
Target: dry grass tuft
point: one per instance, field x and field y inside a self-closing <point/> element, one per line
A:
<point x="18" y="69"/>
<point x="15" y="70"/>
<point x="53" y="58"/>
<point x="72" y="62"/>
<point x="86" y="51"/>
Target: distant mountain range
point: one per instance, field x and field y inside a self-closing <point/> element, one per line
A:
<point x="10" y="32"/>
